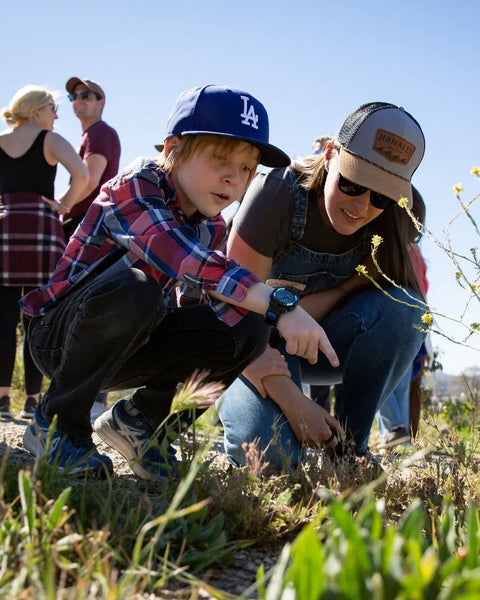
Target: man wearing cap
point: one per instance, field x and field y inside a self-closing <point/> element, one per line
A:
<point x="99" y="146"/>
<point x="145" y="295"/>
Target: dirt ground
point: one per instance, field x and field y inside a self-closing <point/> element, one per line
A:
<point x="232" y="580"/>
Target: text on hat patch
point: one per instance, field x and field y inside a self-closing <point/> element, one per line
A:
<point x="393" y="147"/>
<point x="249" y="115"/>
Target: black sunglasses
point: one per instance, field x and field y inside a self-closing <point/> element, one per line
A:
<point x="83" y="96"/>
<point x="354" y="189"/>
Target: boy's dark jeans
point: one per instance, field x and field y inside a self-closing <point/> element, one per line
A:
<point x="114" y="332"/>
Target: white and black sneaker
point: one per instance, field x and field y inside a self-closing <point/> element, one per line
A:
<point x="131" y="436"/>
<point x="36" y="434"/>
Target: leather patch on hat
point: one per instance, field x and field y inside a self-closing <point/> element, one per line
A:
<point x="393" y="147"/>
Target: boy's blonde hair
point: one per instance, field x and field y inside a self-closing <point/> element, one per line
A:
<point x="190" y="144"/>
<point x="25" y="102"/>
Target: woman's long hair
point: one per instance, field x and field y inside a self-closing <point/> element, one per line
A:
<point x="393" y="224"/>
<point x="393" y="255"/>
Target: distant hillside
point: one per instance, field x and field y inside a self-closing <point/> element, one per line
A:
<point x="446" y="386"/>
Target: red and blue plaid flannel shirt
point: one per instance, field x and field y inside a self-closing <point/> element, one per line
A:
<point x="138" y="217"/>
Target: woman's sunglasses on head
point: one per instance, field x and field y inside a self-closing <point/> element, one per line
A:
<point x="354" y="189"/>
<point x="83" y="96"/>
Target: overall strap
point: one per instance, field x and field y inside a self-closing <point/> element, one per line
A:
<point x="299" y="218"/>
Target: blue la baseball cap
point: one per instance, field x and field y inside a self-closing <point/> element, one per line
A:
<point x="221" y="110"/>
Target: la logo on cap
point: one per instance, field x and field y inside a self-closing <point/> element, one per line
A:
<point x="249" y="115"/>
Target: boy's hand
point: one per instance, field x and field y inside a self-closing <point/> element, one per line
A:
<point x="304" y="336"/>
<point x="271" y="362"/>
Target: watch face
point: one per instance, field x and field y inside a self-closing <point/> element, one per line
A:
<point x="285" y="297"/>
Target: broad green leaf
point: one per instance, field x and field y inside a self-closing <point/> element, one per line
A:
<point x="344" y="520"/>
<point x="412" y="522"/>
<point x="472" y="534"/>
<point x="307" y="570"/>
<point x="57" y="510"/>
<point x="28" y="499"/>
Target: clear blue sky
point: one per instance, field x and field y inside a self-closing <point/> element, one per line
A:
<point x="311" y="63"/>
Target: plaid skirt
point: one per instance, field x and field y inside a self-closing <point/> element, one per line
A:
<point x="31" y="240"/>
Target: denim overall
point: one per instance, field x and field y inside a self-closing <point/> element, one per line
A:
<point x="372" y="335"/>
<point x="315" y="270"/>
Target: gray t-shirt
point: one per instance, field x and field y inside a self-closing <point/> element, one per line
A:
<point x="264" y="218"/>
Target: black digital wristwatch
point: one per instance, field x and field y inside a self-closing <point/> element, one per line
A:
<point x="282" y="300"/>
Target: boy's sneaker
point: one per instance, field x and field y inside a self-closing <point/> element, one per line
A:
<point x="77" y="457"/>
<point x="5" y="407"/>
<point x="28" y="408"/>
<point x="36" y="434"/>
<point x="132" y="437"/>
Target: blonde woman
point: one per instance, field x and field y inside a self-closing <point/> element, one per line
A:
<point x="31" y="235"/>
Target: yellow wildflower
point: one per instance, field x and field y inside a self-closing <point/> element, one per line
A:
<point x="473" y="287"/>
<point x="458" y="274"/>
<point x="427" y="319"/>
<point x="361" y="269"/>
<point x="376" y="240"/>
<point x="403" y="202"/>
<point x="475" y="171"/>
<point x="458" y="188"/>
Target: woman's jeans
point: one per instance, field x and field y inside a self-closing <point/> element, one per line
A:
<point x="376" y="342"/>
<point x="114" y="332"/>
<point x="394" y="411"/>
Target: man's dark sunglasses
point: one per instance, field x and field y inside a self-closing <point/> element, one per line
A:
<point x="354" y="189"/>
<point x="83" y="96"/>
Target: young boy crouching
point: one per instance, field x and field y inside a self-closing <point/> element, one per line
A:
<point x="144" y="294"/>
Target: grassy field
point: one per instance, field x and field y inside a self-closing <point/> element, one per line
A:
<point x="412" y="533"/>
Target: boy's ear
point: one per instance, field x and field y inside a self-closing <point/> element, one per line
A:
<point x="171" y="143"/>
